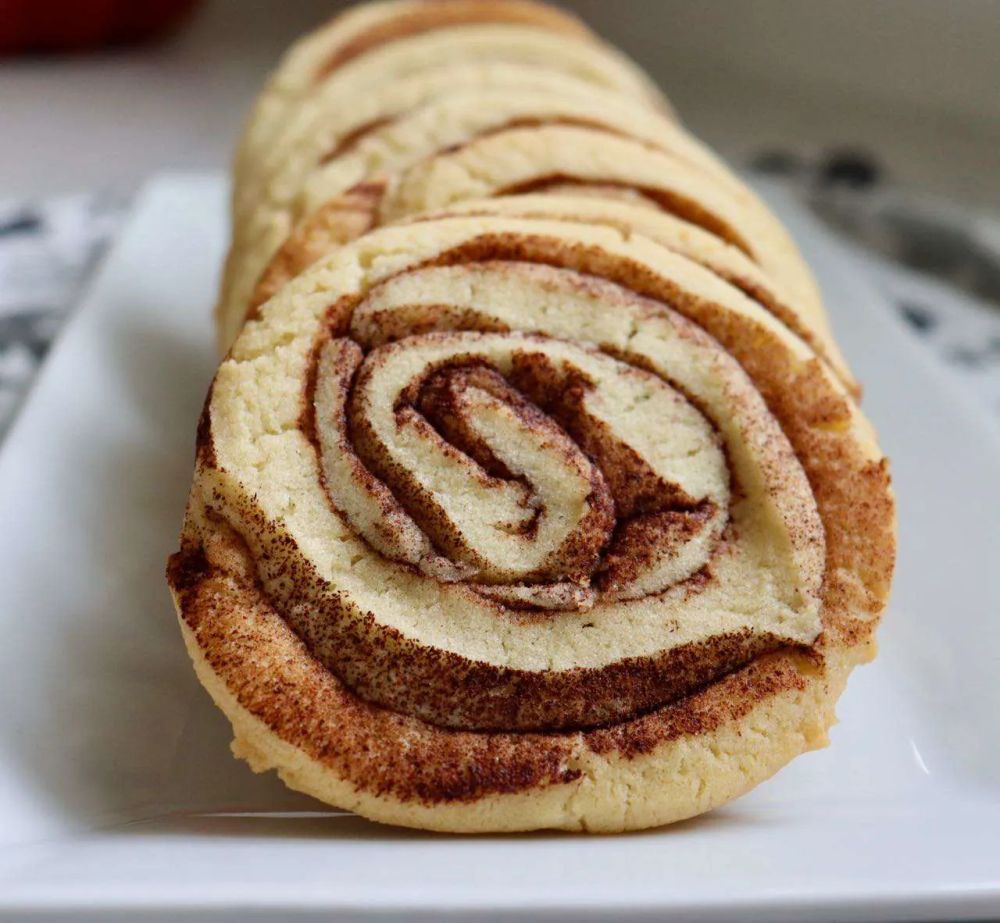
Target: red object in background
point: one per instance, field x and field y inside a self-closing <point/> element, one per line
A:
<point x="78" y="25"/>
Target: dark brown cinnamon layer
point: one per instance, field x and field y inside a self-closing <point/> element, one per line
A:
<point x="357" y="210"/>
<point x="469" y="408"/>
<point x="250" y="647"/>
<point x="490" y="461"/>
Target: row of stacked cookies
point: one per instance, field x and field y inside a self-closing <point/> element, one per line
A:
<point x="399" y="108"/>
<point x="533" y="490"/>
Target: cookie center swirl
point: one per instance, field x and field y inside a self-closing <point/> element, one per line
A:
<point x="542" y="472"/>
<point x="535" y="500"/>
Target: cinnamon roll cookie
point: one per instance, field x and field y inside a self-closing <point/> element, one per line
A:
<point x="371" y="44"/>
<point x="532" y="517"/>
<point x="483" y="143"/>
<point x="611" y="152"/>
<point x="374" y="63"/>
<point x="330" y="197"/>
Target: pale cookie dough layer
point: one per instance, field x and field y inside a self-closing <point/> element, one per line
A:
<point x="417" y="120"/>
<point x="353" y="137"/>
<point x="560" y="157"/>
<point x="638" y="217"/>
<point x="365" y="28"/>
<point x="523" y="159"/>
<point x="393" y="41"/>
<point x="292" y="716"/>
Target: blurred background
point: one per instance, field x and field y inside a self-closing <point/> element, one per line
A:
<point x="882" y="115"/>
<point x="915" y="83"/>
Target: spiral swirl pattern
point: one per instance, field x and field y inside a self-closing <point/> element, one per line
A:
<point x="543" y="474"/>
<point x="551" y="500"/>
<point x="453" y="423"/>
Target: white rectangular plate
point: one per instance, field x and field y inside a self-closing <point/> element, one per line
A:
<point x="117" y="790"/>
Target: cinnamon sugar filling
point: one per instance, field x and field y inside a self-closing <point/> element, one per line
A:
<point x="445" y="435"/>
<point x="491" y="460"/>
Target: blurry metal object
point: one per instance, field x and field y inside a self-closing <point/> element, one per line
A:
<point x="957" y="244"/>
<point x="79" y="25"/>
<point x="936" y="261"/>
<point x="846" y="188"/>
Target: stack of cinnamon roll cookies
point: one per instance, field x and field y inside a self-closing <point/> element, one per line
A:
<point x="533" y="490"/>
